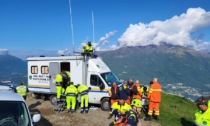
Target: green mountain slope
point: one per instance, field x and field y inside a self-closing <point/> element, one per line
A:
<point x="169" y="64"/>
<point x="12" y="68"/>
<point x="176" y="111"/>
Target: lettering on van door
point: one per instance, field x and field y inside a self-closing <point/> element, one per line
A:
<point x="40" y="78"/>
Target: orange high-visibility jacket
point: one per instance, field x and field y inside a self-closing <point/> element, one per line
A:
<point x="155" y="92"/>
<point x="139" y="93"/>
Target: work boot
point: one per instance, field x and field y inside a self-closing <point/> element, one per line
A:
<point x="69" y="110"/>
<point x="72" y="111"/>
<point x="86" y="111"/>
<point x="155" y="117"/>
<point x="82" y="111"/>
<point x="110" y="116"/>
<point x="148" y="118"/>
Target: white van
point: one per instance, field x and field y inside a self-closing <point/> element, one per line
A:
<point x="93" y="72"/>
<point x="13" y="109"/>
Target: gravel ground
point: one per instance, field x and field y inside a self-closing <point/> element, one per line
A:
<point x="95" y="117"/>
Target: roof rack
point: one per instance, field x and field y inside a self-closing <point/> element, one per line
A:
<point x="6" y="86"/>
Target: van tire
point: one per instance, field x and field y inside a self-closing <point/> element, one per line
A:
<point x="105" y="104"/>
<point x="53" y="99"/>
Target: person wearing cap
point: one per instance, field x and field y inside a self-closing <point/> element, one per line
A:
<point x="119" y="109"/>
<point x="113" y="93"/>
<point x="83" y="92"/>
<point x="22" y="90"/>
<point x="71" y="95"/>
<point x="133" y="113"/>
<point x="202" y="114"/>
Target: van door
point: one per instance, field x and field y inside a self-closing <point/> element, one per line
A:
<point x="98" y="90"/>
<point x="54" y="68"/>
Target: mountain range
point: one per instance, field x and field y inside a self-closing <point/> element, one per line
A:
<point x="12" y="69"/>
<point x="170" y="64"/>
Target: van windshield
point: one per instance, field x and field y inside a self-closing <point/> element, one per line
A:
<point x="109" y="77"/>
<point x="14" y="113"/>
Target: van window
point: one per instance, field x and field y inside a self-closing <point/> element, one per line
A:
<point x="109" y="77"/>
<point x="34" y="69"/>
<point x="95" y="80"/>
<point x="44" y="70"/>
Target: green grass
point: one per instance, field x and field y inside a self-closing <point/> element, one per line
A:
<point x="176" y="111"/>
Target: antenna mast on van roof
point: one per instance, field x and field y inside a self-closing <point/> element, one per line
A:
<point x="72" y="29"/>
<point x="93" y="27"/>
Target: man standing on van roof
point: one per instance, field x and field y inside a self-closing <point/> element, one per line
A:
<point x="22" y="90"/>
<point x="87" y="49"/>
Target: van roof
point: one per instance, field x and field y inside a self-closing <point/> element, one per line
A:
<point x="9" y="95"/>
<point x="55" y="58"/>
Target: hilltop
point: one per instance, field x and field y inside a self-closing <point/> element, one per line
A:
<point x="174" y="111"/>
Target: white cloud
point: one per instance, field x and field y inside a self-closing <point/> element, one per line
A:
<point x="4" y="51"/>
<point x="64" y="52"/>
<point x="176" y="30"/>
<point x="103" y="43"/>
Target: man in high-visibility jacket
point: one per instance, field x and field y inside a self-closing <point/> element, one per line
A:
<point x="154" y="97"/>
<point x="133" y="113"/>
<point x="71" y="95"/>
<point x="59" y="85"/>
<point x="66" y="76"/>
<point x="202" y="114"/>
<point x="87" y="49"/>
<point x="22" y="90"/>
<point x="119" y="109"/>
<point x="83" y="92"/>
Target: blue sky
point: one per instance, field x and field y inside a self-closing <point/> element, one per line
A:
<point x="43" y="27"/>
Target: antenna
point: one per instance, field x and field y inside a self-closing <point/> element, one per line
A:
<point x="72" y="29"/>
<point x="93" y="27"/>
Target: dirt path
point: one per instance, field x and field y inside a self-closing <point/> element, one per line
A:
<point x="95" y="117"/>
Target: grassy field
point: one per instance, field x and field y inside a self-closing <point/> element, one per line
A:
<point x="176" y="111"/>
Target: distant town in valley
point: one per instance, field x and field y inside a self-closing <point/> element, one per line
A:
<point x="176" y="88"/>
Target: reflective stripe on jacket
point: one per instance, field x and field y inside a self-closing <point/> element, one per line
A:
<point x="71" y="90"/>
<point x="155" y="92"/>
<point x="122" y="108"/>
<point x="83" y="89"/>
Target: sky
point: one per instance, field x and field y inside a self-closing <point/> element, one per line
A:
<point x="53" y="27"/>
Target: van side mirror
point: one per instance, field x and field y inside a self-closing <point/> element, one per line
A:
<point x="36" y="118"/>
<point x="101" y="86"/>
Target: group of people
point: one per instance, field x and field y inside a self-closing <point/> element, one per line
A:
<point x="66" y="88"/>
<point x="128" y="99"/>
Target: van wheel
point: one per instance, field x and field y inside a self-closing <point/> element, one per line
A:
<point x="105" y="104"/>
<point x="53" y="99"/>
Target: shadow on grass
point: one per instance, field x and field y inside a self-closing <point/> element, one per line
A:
<point x="185" y="122"/>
